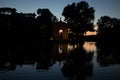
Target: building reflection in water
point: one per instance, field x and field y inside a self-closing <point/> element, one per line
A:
<point x="43" y="57"/>
<point x="66" y="47"/>
<point x="60" y="51"/>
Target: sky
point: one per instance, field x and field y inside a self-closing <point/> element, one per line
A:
<point x="102" y="7"/>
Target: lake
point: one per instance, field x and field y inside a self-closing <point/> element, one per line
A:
<point x="60" y="61"/>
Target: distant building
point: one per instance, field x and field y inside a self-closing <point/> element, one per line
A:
<point x="60" y="31"/>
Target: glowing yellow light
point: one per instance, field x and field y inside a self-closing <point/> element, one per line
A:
<point x="60" y="31"/>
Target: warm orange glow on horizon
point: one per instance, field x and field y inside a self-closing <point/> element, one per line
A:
<point x="90" y="33"/>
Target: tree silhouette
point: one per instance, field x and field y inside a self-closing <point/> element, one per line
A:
<point x="47" y="13"/>
<point x="44" y="22"/>
<point x="7" y="10"/>
<point x="108" y="26"/>
<point x="105" y="24"/>
<point x="7" y="19"/>
<point x="79" y="16"/>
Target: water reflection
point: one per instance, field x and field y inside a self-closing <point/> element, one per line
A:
<point x="68" y="61"/>
<point x="66" y="47"/>
<point x="109" y="54"/>
<point x="89" y="46"/>
<point x="78" y="65"/>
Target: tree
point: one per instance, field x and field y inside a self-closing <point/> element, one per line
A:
<point x="104" y="24"/>
<point x="7" y="11"/>
<point x="108" y="28"/>
<point x="44" y="22"/>
<point x="79" y="16"/>
<point x="107" y="24"/>
<point x="47" y="13"/>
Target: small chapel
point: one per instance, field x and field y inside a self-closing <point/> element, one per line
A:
<point x="60" y="31"/>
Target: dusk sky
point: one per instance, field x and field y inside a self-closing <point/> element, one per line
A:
<point x="102" y="7"/>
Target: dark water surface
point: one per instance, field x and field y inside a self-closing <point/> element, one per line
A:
<point x="60" y="61"/>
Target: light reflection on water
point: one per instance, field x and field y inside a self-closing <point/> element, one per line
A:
<point x="66" y="47"/>
<point x="89" y="47"/>
<point x="63" y="61"/>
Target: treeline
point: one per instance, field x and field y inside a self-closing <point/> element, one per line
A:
<point x="79" y="16"/>
<point x="25" y="26"/>
<point x="109" y="28"/>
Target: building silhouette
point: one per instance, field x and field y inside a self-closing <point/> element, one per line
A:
<point x="60" y="31"/>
